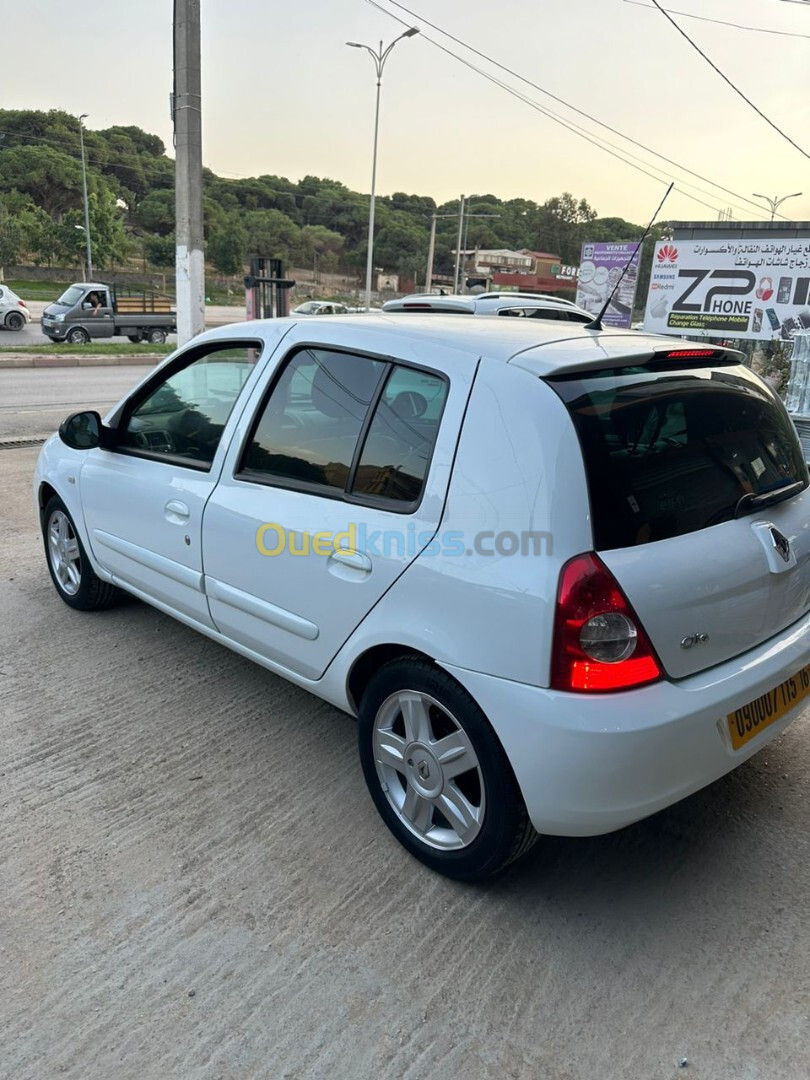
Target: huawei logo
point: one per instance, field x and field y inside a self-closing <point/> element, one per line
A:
<point x="668" y="254"/>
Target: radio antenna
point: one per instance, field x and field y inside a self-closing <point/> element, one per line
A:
<point x="596" y="324"/>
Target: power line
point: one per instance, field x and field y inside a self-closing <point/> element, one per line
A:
<point x="726" y="79"/>
<point x="561" y="101"/>
<point x="723" y="22"/>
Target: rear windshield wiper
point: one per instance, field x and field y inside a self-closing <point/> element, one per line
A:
<point x="750" y="503"/>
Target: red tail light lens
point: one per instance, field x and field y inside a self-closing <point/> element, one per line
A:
<point x="22" y="303"/>
<point x="599" y="643"/>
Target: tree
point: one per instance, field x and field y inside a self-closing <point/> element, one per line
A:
<point x="227" y="245"/>
<point x="160" y="251"/>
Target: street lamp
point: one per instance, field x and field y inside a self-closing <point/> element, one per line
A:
<point x="379" y="56"/>
<point x="86" y="204"/>
<point x="774" y="203"/>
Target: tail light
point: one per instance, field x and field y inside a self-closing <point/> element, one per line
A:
<point x="599" y="643"/>
<point x="22" y="303"/>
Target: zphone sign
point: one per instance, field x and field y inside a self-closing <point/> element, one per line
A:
<point x="755" y="289"/>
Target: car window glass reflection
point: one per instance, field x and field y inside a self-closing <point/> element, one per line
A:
<point x="397" y="450"/>
<point x="312" y="420"/>
<point x="184" y="416"/>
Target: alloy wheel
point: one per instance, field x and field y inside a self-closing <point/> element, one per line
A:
<point x="428" y="770"/>
<point x="64" y="554"/>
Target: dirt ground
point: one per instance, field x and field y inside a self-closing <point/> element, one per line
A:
<point x="194" y="884"/>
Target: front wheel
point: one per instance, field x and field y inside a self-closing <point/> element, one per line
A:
<point x="77" y="336"/>
<point x="75" y="580"/>
<point x="156" y="337"/>
<point x="15" y="321"/>
<point x="438" y="774"/>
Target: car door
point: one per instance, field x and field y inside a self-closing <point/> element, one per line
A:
<point x="143" y="498"/>
<point x="98" y="320"/>
<point x="333" y="487"/>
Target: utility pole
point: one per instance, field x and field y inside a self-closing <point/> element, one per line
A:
<point x="88" y="245"/>
<point x="432" y="247"/>
<point x="187" y="113"/>
<point x="458" y="242"/>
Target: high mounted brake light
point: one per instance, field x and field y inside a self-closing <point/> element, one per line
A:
<point x="689" y="354"/>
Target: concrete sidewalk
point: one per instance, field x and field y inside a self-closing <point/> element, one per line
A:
<point x="51" y="360"/>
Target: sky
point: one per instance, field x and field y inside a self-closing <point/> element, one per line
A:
<point x="283" y="95"/>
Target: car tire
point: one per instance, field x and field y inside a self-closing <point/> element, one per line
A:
<point x="156" y="337"/>
<point x="73" y="576"/>
<point x="437" y="772"/>
<point x="15" y="321"/>
<point x="134" y="338"/>
<point x="77" y="336"/>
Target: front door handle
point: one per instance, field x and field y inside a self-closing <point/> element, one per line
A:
<point x="354" y="559"/>
<point x="177" y="512"/>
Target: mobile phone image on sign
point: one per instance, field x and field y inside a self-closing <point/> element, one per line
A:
<point x="757" y="320"/>
<point x="783" y="293"/>
<point x="773" y="318"/>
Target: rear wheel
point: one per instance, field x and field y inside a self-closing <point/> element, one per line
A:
<point x="156" y="337"/>
<point x="437" y="773"/>
<point x="77" y="336"/>
<point x="15" y="321"/>
<point x="75" y="580"/>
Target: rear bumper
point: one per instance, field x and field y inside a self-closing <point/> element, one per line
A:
<point x="592" y="764"/>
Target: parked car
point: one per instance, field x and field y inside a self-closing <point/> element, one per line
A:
<point x="14" y="313"/>
<point x="562" y="577"/>
<point x="320" y="307"/>
<point x="512" y="304"/>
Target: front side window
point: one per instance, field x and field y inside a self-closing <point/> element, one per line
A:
<point x="183" y="417"/>
<point x="353" y="426"/>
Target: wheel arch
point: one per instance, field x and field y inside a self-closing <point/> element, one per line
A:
<point x="370" y="661"/>
<point x="45" y="492"/>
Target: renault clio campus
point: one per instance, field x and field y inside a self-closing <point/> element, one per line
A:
<point x="561" y="576"/>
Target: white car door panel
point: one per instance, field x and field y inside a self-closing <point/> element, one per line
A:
<point x="291" y="570"/>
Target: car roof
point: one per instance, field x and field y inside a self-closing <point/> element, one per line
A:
<point x="471" y="304"/>
<point x="541" y="348"/>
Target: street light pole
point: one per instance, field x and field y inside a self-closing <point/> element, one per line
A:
<point x="775" y="203"/>
<point x="86" y="203"/>
<point x="379" y="56"/>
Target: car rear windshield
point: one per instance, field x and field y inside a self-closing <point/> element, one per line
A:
<point x="671" y="452"/>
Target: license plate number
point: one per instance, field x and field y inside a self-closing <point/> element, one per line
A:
<point x="746" y="723"/>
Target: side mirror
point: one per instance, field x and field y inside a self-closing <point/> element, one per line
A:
<point x="86" y="305"/>
<point x="81" y="431"/>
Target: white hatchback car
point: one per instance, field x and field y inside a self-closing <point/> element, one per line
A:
<point x="516" y="305"/>
<point x="561" y="576"/>
<point x="14" y="313"/>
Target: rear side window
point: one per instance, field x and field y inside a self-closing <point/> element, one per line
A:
<point x="348" y="426"/>
<point x="672" y="452"/>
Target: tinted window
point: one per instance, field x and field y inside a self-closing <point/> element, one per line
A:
<point x="184" y="416"/>
<point x="396" y="454"/>
<point x="310" y="425"/>
<point x="668" y="453"/>
<point x="535" y="313"/>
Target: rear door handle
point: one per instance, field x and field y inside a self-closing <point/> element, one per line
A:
<point x="177" y="512"/>
<point x="355" y="559"/>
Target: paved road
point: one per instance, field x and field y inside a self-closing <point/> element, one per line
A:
<point x="195" y="885"/>
<point x="34" y="401"/>
<point x="215" y="315"/>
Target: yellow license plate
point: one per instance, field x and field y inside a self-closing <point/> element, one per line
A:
<point x="745" y="723"/>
